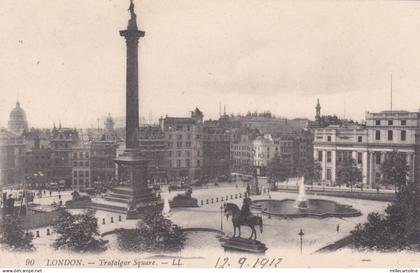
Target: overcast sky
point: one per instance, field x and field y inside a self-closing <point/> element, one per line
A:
<point x="65" y="59"/>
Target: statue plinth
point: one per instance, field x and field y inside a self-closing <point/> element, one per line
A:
<point x="133" y="187"/>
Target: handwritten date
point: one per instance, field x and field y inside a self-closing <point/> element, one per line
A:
<point x="243" y="262"/>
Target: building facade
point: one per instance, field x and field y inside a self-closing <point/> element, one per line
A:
<point x="62" y="141"/>
<point x="184" y="137"/>
<point x="37" y="160"/>
<point x="384" y="132"/>
<point x="12" y="151"/>
<point x="102" y="155"/>
<point x="153" y="146"/>
<point x="81" y="172"/>
<point x="216" y="151"/>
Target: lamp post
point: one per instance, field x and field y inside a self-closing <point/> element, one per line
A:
<point x="221" y="217"/>
<point x="301" y="240"/>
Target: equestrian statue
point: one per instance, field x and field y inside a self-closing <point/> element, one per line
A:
<point x="243" y="217"/>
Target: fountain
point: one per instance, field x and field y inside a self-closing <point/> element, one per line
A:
<point x="166" y="208"/>
<point x="301" y="201"/>
<point x="302" y="206"/>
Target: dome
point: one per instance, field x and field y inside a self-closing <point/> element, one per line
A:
<point x="17" y="113"/>
<point x="17" y="119"/>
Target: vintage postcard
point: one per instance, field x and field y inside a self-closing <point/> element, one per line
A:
<point x="211" y="134"/>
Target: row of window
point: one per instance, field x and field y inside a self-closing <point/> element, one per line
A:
<point x="389" y="122"/>
<point x="236" y="147"/>
<point x="181" y="128"/>
<point x="81" y="173"/>
<point x="179" y="144"/>
<point x="179" y="153"/>
<point x="81" y="155"/>
<point x="390" y="135"/>
<point x="178" y="163"/>
<point x="179" y="137"/>
<point x="342" y="155"/>
<point x="81" y="163"/>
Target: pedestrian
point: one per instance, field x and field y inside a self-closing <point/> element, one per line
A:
<point x="45" y="193"/>
<point x="377" y="189"/>
<point x="50" y="193"/>
<point x="59" y="196"/>
<point x="338" y="228"/>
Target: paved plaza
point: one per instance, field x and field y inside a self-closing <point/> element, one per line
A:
<point x="278" y="233"/>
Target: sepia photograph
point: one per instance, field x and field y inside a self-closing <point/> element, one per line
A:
<point x="209" y="134"/>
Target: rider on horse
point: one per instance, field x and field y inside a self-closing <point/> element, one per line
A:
<point x="245" y="210"/>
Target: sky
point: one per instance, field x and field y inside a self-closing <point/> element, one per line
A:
<point x="65" y="61"/>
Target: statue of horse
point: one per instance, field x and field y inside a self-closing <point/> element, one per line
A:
<point x="238" y="221"/>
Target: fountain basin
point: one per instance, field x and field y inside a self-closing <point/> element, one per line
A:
<point x="314" y="208"/>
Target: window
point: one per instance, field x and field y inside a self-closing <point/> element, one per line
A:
<point x="378" y="122"/>
<point x="390" y="122"/>
<point x="320" y="156"/>
<point x="329" y="174"/>
<point x="378" y="159"/>
<point x="170" y="145"/>
<point x="188" y="144"/>
<point x="328" y="138"/>
<point x="198" y="163"/>
<point x="328" y="156"/>
<point x="403" y="122"/>
<point x="178" y="153"/>
<point x="359" y="158"/>
<point x="179" y="144"/>
<point x="390" y="135"/>
<point x="179" y="136"/>
<point x="188" y="153"/>
<point x="359" y="139"/>
<point x="377" y="135"/>
<point x="178" y="163"/>
<point x="403" y="135"/>
<point x="170" y="153"/>
<point x="187" y="163"/>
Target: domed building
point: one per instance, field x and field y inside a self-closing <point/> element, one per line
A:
<point x="17" y="120"/>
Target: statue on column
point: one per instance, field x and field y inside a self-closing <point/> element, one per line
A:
<point x="132" y="23"/>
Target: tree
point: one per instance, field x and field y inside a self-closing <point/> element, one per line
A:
<point x="399" y="227"/>
<point x="153" y="233"/>
<point x="78" y="233"/>
<point x="348" y="173"/>
<point x="12" y="235"/>
<point x="395" y="170"/>
<point x="311" y="170"/>
<point x="278" y="169"/>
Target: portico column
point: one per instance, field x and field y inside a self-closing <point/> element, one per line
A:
<point x="371" y="168"/>
<point x="365" y="167"/>
<point x="334" y="163"/>
<point x="324" y="165"/>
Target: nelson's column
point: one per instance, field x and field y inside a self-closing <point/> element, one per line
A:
<point x="133" y="190"/>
